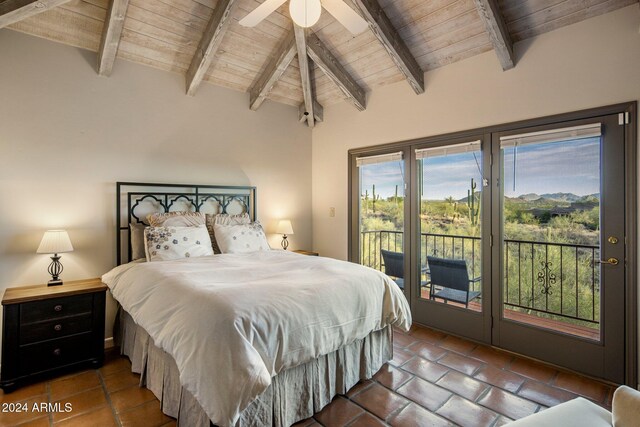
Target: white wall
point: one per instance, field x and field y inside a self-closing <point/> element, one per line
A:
<point x="67" y="135"/>
<point x="590" y="64"/>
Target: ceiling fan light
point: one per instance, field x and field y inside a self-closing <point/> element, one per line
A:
<point x="305" y="13"/>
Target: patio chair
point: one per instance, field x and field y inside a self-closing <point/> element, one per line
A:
<point x="394" y="267"/>
<point x="452" y="277"/>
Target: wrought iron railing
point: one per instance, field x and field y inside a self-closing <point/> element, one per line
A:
<point x="559" y="280"/>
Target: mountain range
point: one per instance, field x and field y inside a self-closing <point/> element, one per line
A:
<point x="558" y="197"/>
<point x="563" y="197"/>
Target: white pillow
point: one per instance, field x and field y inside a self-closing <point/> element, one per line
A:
<point x="241" y="238"/>
<point x="224" y="219"/>
<point x="167" y="243"/>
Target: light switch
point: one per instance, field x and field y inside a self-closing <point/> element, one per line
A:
<point x="332" y="212"/>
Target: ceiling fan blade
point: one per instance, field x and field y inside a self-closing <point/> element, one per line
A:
<point x="259" y="13"/>
<point x="346" y="16"/>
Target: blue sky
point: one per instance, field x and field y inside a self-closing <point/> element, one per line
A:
<point x="566" y="167"/>
<point x="385" y="176"/>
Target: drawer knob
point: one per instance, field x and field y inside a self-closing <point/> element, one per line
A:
<point x="58" y="307"/>
<point x="57" y="327"/>
<point x="57" y="352"/>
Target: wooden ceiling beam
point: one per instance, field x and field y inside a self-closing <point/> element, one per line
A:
<point x="12" y="11"/>
<point x="111" y="33"/>
<point x="498" y="33"/>
<point x="385" y="32"/>
<point x="328" y="63"/>
<point x="273" y="71"/>
<point x="318" y="112"/>
<point x="209" y="44"/>
<point x="305" y="75"/>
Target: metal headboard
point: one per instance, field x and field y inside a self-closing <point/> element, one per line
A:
<point x="142" y="198"/>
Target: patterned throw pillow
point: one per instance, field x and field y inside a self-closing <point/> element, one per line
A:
<point x="224" y="219"/>
<point x="176" y="219"/>
<point x="167" y="243"/>
<point x="243" y="238"/>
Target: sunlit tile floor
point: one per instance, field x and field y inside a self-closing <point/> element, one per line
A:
<point x="434" y="379"/>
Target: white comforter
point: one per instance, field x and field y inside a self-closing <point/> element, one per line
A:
<point x="233" y="321"/>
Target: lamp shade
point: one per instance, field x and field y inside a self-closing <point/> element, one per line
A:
<point x="284" y="227"/>
<point x="305" y="13"/>
<point x="55" y="242"/>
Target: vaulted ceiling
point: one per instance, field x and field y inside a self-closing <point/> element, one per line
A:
<point x="202" y="40"/>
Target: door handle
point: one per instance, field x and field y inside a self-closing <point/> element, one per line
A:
<point x="610" y="261"/>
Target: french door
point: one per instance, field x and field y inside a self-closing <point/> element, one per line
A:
<point x="520" y="236"/>
<point x="451" y="236"/>
<point x="378" y="224"/>
<point x="559" y="252"/>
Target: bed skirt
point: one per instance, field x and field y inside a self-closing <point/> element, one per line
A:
<point x="294" y="394"/>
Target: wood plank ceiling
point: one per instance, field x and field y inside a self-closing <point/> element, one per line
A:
<point x="202" y="40"/>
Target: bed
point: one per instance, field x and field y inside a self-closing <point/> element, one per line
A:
<point x="259" y="339"/>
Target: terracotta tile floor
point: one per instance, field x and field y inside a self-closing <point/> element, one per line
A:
<point x="433" y="380"/>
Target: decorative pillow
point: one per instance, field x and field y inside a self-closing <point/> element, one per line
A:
<point x="235" y="239"/>
<point x="224" y="219"/>
<point x="137" y="241"/>
<point x="176" y="219"/>
<point x="167" y="243"/>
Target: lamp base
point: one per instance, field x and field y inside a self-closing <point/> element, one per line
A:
<point x="55" y="268"/>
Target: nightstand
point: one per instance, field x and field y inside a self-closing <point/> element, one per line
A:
<point x="303" y="252"/>
<point x="51" y="329"/>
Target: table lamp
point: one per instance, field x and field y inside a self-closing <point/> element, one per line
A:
<point x="284" y="228"/>
<point x="55" y="242"/>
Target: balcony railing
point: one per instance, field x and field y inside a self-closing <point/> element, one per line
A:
<point x="556" y="280"/>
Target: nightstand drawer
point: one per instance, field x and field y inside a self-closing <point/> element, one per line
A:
<point x="52" y="354"/>
<point x="57" y="328"/>
<point x="55" y="308"/>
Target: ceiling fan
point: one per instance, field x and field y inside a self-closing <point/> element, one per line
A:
<point x="306" y="13"/>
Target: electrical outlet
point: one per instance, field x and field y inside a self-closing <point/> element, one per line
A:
<point x="332" y="212"/>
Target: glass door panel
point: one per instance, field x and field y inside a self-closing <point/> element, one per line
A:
<point x="381" y="214"/>
<point x="551" y="231"/>
<point x="560" y="270"/>
<point x="450" y="202"/>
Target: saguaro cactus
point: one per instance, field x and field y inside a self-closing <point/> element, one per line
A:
<point x="452" y="210"/>
<point x="473" y="203"/>
<point x="365" y="198"/>
<point x="374" y="198"/>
